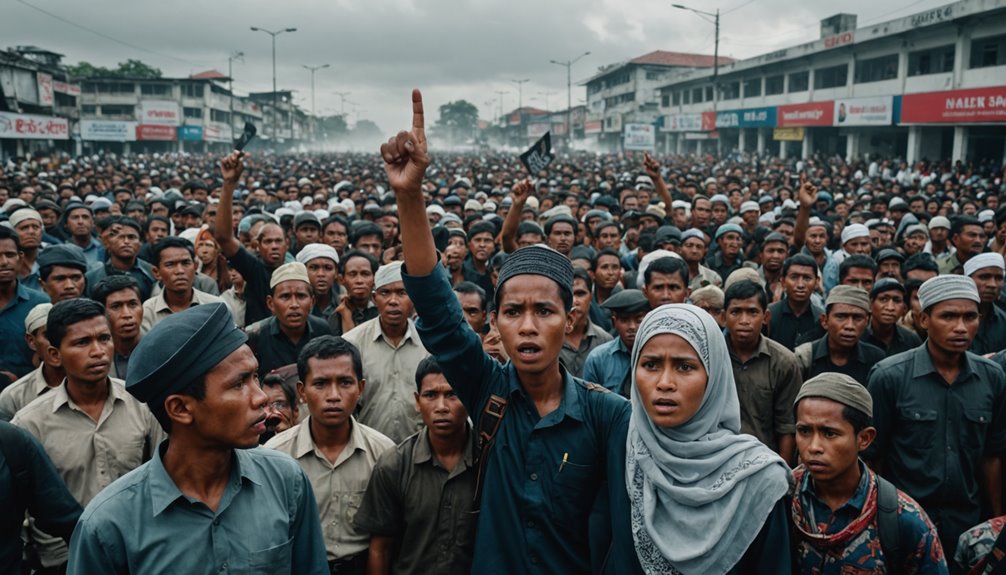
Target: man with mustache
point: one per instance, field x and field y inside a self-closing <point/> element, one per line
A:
<point x="278" y="339"/>
<point x="336" y="451"/>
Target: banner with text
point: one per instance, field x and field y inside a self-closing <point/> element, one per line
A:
<point x="156" y="133"/>
<point x="218" y="132"/>
<point x="809" y="114"/>
<point x="30" y="127"/>
<point x="640" y="137"/>
<point x="160" y="112"/>
<point x="683" y="123"/>
<point x="45" y="96"/>
<point x="877" y="111"/>
<point x="956" y="106"/>
<point x="747" y="118"/>
<point x="102" y="131"/>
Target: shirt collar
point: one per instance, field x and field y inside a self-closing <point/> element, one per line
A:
<point x="858" y="499"/>
<point x="423" y="453"/>
<point x="61" y="397"/>
<point x="305" y="443"/>
<point x="164" y="491"/>
<point x="922" y="364"/>
<point x="410" y="333"/>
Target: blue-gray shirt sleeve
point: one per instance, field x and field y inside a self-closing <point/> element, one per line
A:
<point x="309" y="555"/>
<point x="55" y="510"/>
<point x="449" y="338"/>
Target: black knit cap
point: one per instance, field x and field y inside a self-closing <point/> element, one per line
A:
<point x="539" y="260"/>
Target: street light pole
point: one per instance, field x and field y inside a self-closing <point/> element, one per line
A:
<point x="342" y="100"/>
<point x="499" y="94"/>
<point x="275" y="103"/>
<point x="230" y="79"/>
<point x="313" y="69"/>
<point x="569" y="95"/>
<point x="716" y="53"/>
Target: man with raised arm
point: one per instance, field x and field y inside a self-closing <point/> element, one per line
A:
<point x="558" y="447"/>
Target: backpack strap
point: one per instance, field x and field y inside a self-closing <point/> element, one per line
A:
<point x="887" y="524"/>
<point x="993" y="562"/>
<point x="489" y="424"/>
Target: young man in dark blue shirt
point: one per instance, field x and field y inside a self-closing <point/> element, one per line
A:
<point x="560" y="445"/>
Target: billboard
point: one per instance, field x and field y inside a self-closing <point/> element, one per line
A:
<point x="190" y="133"/>
<point x="155" y="132"/>
<point x="31" y="127"/>
<point x="160" y="112"/>
<point x="683" y="123"/>
<point x="218" y="132"/>
<point x="639" y="137"/>
<point x="106" y="131"/>
<point x="809" y="114"/>
<point x="976" y="105"/>
<point x="45" y="96"/>
<point x="746" y="118"/>
<point x="876" y="111"/>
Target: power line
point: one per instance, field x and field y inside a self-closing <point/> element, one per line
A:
<point x="105" y="36"/>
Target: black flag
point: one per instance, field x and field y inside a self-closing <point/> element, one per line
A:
<point x="539" y="156"/>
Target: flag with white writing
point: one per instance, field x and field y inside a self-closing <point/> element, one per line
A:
<point x="539" y="156"/>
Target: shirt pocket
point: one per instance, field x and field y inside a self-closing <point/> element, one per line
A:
<point x="975" y="429"/>
<point x="920" y="429"/>
<point x="350" y="505"/>
<point x="573" y="489"/>
<point x="274" y="560"/>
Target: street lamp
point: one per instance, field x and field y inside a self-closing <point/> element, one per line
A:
<point x="520" y="91"/>
<point x="569" y="95"/>
<point x="716" y="47"/>
<point x="342" y="99"/>
<point x="547" y="94"/>
<point x="230" y="78"/>
<point x="275" y="104"/>
<point x="313" y="69"/>
<point x="500" y="94"/>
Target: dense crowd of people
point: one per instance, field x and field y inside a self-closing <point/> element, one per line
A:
<point x="424" y="362"/>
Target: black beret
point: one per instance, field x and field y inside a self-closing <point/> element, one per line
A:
<point x="68" y="255"/>
<point x="887" y="284"/>
<point x="887" y="254"/>
<point x="627" y="301"/>
<point x="180" y="350"/>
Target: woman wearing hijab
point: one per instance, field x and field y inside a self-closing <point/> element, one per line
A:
<point x="705" y="499"/>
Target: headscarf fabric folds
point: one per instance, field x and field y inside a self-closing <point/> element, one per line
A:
<point x="699" y="492"/>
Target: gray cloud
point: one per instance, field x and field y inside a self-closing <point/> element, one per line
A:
<point x="379" y="49"/>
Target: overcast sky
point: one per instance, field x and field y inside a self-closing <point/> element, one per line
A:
<point x="379" y="49"/>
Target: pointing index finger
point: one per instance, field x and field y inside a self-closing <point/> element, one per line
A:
<point x="418" y="120"/>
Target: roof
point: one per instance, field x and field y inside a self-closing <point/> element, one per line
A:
<point x="681" y="59"/>
<point x="209" y="75"/>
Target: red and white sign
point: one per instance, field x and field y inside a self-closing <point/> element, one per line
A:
<point x="810" y="114"/>
<point x="160" y="112"/>
<point x="217" y="132"/>
<point x="875" y="111"/>
<point x="956" y="106"/>
<point x="683" y="123"/>
<point x="593" y="126"/>
<point x="45" y="96"/>
<point x="842" y="39"/>
<point x="156" y="133"/>
<point x="708" y="121"/>
<point x="30" y="127"/>
<point x="64" y="88"/>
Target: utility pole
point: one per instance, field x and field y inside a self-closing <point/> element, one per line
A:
<point x="230" y="79"/>
<point x="716" y="54"/>
<point x="275" y="103"/>
<point x="569" y="95"/>
<point x="500" y="94"/>
<point x="547" y="95"/>
<point x="313" y="69"/>
<point x="342" y="101"/>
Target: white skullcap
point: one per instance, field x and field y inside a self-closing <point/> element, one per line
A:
<point x="750" y="206"/>
<point x="24" y="214"/>
<point x="313" y="251"/>
<point x="853" y="231"/>
<point x="981" y="261"/>
<point x="37" y="317"/>
<point x="435" y="209"/>
<point x="986" y="216"/>
<point x="190" y="234"/>
<point x="286" y="272"/>
<point x="388" y="274"/>
<point x="947" y="287"/>
<point x="652" y="257"/>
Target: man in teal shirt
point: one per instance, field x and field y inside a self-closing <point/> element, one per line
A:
<point x="206" y="502"/>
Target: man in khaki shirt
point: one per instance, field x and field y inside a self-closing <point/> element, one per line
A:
<point x="43" y="378"/>
<point x="391" y="351"/>
<point x="174" y="266"/>
<point x="337" y="452"/>
<point x="93" y="430"/>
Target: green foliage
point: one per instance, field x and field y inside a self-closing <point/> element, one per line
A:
<point x="460" y="117"/>
<point x="128" y="69"/>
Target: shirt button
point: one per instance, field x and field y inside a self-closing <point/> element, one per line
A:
<point x="530" y="524"/>
<point x="224" y="566"/>
<point x="534" y="477"/>
<point x="216" y="521"/>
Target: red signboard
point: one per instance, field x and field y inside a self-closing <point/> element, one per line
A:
<point x="810" y="114"/>
<point x="708" y="121"/>
<point x="156" y="133"/>
<point x="955" y="106"/>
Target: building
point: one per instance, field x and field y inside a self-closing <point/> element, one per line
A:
<point x="627" y="94"/>
<point x="931" y="85"/>
<point x="38" y="102"/>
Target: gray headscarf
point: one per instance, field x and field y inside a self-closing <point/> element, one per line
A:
<point x="699" y="492"/>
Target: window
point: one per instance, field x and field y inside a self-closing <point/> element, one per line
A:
<point x="697" y="96"/>
<point x="752" y="88"/>
<point x="65" y="100"/>
<point x="192" y="90"/>
<point x="709" y="93"/>
<point x="931" y="61"/>
<point x="676" y="98"/>
<point x="116" y="88"/>
<point x="653" y="75"/>
<point x="832" y="77"/>
<point x="876" y="69"/>
<point x="220" y="116"/>
<point x="155" y="89"/>
<point x="799" y="81"/>
<point x="89" y="110"/>
<point x="193" y="113"/>
<point x="987" y="52"/>
<point x="665" y="101"/>
<point x="774" y="85"/>
<point x="731" y="90"/>
<point x="686" y="97"/>
<point x="110" y="110"/>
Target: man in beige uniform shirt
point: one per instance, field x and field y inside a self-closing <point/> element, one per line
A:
<point x="174" y="261"/>
<point x="93" y="430"/>
<point x="337" y="452"/>
<point x="43" y="378"/>
<point x="391" y="351"/>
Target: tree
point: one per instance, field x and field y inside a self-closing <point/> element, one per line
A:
<point x="333" y="125"/>
<point x="128" y="69"/>
<point x="458" y="120"/>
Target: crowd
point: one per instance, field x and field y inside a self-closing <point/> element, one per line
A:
<point x="416" y="362"/>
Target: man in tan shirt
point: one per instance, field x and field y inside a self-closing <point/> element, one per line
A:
<point x="174" y="266"/>
<point x="43" y="378"/>
<point x="391" y="351"/>
<point x="337" y="452"/>
<point x="92" y="429"/>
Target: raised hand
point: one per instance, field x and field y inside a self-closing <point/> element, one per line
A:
<point x="651" y="166"/>
<point x="405" y="156"/>
<point x="232" y="166"/>
<point x="521" y="191"/>
<point x="807" y="193"/>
